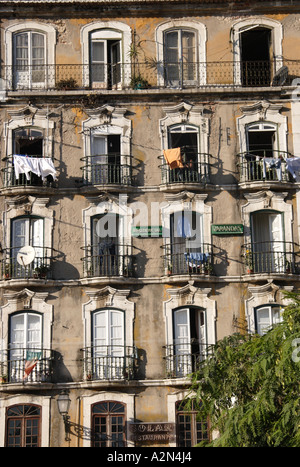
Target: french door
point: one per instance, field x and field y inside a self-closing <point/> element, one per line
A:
<point x="27" y="231"/>
<point x="268" y="247"/>
<point x="189" y="339"/>
<point x="180" y="57"/>
<point x="108" y="344"/>
<point x="25" y="344"/>
<point x="29" y="60"/>
<point x="105" y="63"/>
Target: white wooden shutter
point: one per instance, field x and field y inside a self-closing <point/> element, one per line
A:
<point x="278" y="256"/>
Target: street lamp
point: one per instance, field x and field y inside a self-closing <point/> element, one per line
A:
<point x="63" y="404"/>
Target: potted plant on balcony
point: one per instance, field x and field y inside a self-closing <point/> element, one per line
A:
<point x="41" y="271"/>
<point x="7" y="271"/>
<point x="138" y="82"/>
<point x="65" y="84"/>
<point x="169" y="269"/>
<point x="3" y="379"/>
<point x="248" y="261"/>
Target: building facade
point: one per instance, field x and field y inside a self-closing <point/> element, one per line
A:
<point x="149" y="194"/>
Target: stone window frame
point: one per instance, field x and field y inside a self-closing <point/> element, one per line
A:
<point x="108" y="120"/>
<point x="125" y="46"/>
<point x="31" y="206"/>
<point x="29" y="117"/>
<point x="268" y="294"/>
<point x="236" y="30"/>
<point x="108" y="298"/>
<point x="184" y="113"/>
<point x="23" y="301"/>
<point x="263" y="112"/>
<point x="50" y="34"/>
<point x="201" y="39"/>
<point x="89" y="400"/>
<point x="20" y="399"/>
<point x="267" y="201"/>
<point x="186" y="296"/>
<point x="189" y="202"/>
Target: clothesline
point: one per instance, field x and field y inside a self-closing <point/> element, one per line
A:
<point x="40" y="166"/>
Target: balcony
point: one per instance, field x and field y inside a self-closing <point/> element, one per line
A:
<point x="109" y="362"/>
<point x="39" y="268"/>
<point x="184" y="358"/>
<point x="13" y="364"/>
<point x="192" y="261"/>
<point x="10" y="180"/>
<point x="192" y="172"/>
<point x="149" y="74"/>
<point x="98" y="172"/>
<point x="107" y="259"/>
<point x="264" y="166"/>
<point x="270" y="257"/>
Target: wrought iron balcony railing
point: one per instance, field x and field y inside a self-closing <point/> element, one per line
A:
<point x="270" y="257"/>
<point x="183" y="358"/>
<point x="192" y="172"/>
<point x="39" y="268"/>
<point x="109" y="362"/>
<point x="10" y="180"/>
<point x="150" y="73"/>
<point x="107" y="170"/>
<point x="191" y="261"/>
<point x="15" y="365"/>
<point x="107" y="259"/>
<point x="264" y="165"/>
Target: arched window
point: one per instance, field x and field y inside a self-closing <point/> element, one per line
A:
<point x="28" y="231"/>
<point x="108" y="424"/>
<point x="189" y="339"/>
<point x="106" y="54"/>
<point x="108" y="338"/>
<point x="266" y="317"/>
<point x="23" y="426"/>
<point x="30" y="55"/>
<point x="25" y="345"/>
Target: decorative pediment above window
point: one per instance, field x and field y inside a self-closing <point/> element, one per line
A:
<point x="109" y="296"/>
<point x="25" y="298"/>
<point x="261" y="109"/>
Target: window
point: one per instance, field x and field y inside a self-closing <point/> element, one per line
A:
<point x="30" y="54"/>
<point x="23" y="426"/>
<point x="268" y="246"/>
<point x="189" y="345"/>
<point x="180" y="57"/>
<point x="107" y="147"/>
<point x="257" y="50"/>
<point x="29" y="59"/>
<point x="266" y="317"/>
<point x="27" y="231"/>
<point x="108" y="424"/>
<point x="188" y="253"/>
<point x="108" y="344"/>
<point x="256" y="47"/>
<point x="181" y="49"/>
<point x="105" y="161"/>
<point x="190" y="430"/>
<point x="108" y="253"/>
<point x="25" y="345"/>
<point x="105" y="47"/>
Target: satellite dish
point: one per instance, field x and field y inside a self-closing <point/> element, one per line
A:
<point x="26" y="255"/>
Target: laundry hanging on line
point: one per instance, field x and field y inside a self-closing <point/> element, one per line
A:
<point x="173" y="158"/>
<point x="293" y="166"/>
<point x="40" y="166"/>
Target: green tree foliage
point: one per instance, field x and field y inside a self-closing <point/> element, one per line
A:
<point x="249" y="387"/>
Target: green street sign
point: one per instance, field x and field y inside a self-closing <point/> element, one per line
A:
<point x="227" y="229"/>
<point x="147" y="231"/>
